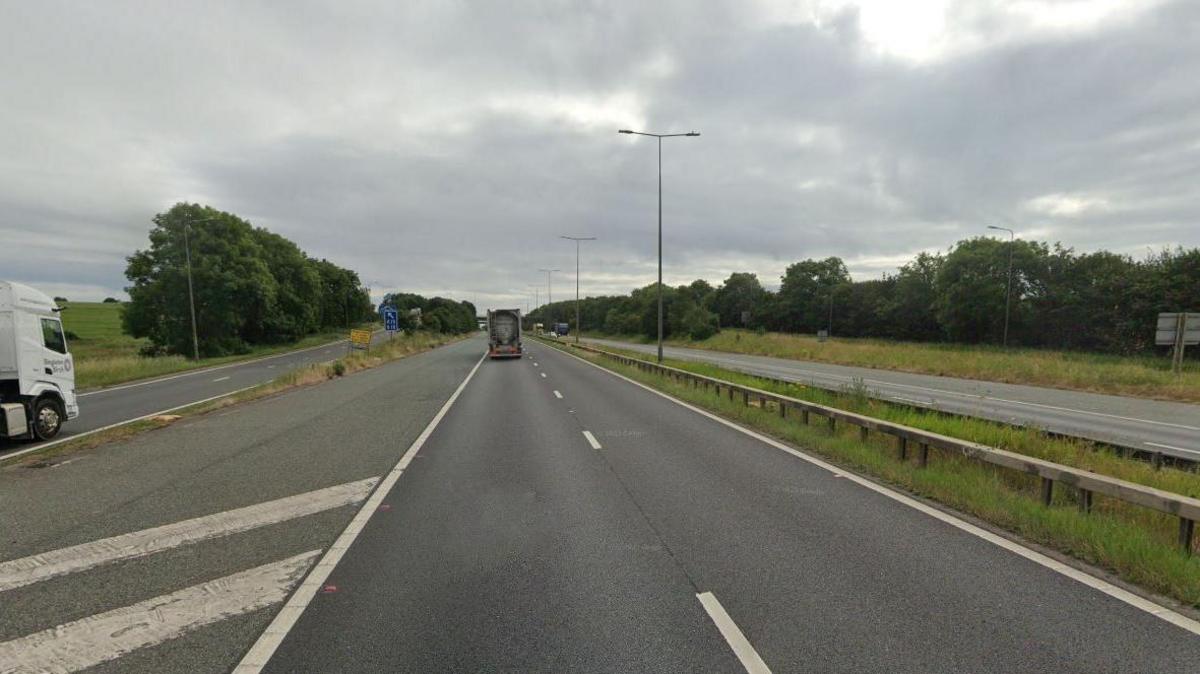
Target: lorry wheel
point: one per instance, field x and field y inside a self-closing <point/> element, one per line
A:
<point x="47" y="419"/>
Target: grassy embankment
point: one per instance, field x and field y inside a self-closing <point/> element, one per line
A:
<point x="1136" y="544"/>
<point x="394" y="349"/>
<point x="1143" y="376"/>
<point x="104" y="355"/>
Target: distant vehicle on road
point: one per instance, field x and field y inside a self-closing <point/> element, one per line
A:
<point x="562" y="329"/>
<point x="37" y="372"/>
<point x="504" y="333"/>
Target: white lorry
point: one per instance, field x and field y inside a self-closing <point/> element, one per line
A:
<point x="37" y="373"/>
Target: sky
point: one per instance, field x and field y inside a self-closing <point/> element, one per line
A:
<point x="443" y="147"/>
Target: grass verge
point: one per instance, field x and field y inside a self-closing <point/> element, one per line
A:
<point x="105" y="355"/>
<point x="310" y="375"/>
<point x="1135" y="544"/>
<point x="1143" y="376"/>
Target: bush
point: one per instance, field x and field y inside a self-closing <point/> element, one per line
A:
<point x="700" y="323"/>
<point x="337" y="368"/>
<point x="111" y="300"/>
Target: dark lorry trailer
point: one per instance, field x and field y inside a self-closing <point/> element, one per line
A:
<point x="504" y="333"/>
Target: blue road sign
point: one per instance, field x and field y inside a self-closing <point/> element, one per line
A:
<point x="391" y="319"/>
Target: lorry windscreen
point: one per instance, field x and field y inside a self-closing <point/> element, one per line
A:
<point x="52" y="335"/>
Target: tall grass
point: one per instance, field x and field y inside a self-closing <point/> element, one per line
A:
<point x="1075" y="452"/>
<point x="1137" y="544"/>
<point x="105" y="356"/>
<point x="1144" y="376"/>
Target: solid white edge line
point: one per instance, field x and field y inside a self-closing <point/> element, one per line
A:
<point x="1181" y="449"/>
<point x="260" y="653"/>
<point x="737" y="641"/>
<point x="591" y="440"/>
<point x="225" y="378"/>
<point x="849" y="377"/>
<point x="52" y="443"/>
<point x="1118" y="593"/>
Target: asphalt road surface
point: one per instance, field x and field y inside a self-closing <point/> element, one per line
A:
<point x="553" y="517"/>
<point x="1150" y="425"/>
<point x="104" y="407"/>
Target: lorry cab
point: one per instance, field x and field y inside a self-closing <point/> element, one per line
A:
<point x="37" y="372"/>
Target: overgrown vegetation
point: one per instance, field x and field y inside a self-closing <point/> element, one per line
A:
<point x="1103" y="373"/>
<point x="1096" y="302"/>
<point x="105" y="356"/>
<point x="252" y="287"/>
<point x="1137" y="544"/>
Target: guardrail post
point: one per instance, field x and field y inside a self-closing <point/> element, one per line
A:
<point x="782" y="410"/>
<point x="746" y="398"/>
<point x="862" y="433"/>
<point x="832" y="424"/>
<point x="1085" y="500"/>
<point x="730" y="393"/>
<point x="804" y="417"/>
<point x="1157" y="460"/>
<point x="1047" y="491"/>
<point x="1187" y="528"/>
<point x="902" y="447"/>
<point x="923" y="454"/>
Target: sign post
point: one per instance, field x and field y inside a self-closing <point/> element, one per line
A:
<point x="360" y="339"/>
<point x="391" y="320"/>
<point x="1177" y="330"/>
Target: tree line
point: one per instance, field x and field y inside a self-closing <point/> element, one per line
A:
<point x="251" y="286"/>
<point x="437" y="314"/>
<point x="1099" y="301"/>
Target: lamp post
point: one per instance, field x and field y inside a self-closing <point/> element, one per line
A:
<point x="187" y="251"/>
<point x="659" y="136"/>
<point x="1008" y="285"/>
<point x="549" y="290"/>
<point x="577" y="239"/>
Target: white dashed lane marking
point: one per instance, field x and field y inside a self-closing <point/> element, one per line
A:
<point x="591" y="439"/>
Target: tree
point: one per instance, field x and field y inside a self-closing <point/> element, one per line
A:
<point x="740" y="294"/>
<point x="234" y="289"/>
<point x="806" y="292"/>
<point x="909" y="309"/>
<point x="972" y="284"/>
<point x="111" y="300"/>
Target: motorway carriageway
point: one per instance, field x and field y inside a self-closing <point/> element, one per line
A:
<point x="449" y="513"/>
<point x="103" y="408"/>
<point x="1149" y="425"/>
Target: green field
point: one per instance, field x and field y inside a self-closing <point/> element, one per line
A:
<point x="104" y="355"/>
<point x="1142" y="376"/>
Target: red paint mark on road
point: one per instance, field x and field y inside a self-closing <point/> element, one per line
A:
<point x="329" y="589"/>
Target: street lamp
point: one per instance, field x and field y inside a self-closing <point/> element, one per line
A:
<point x="549" y="292"/>
<point x="577" y="239"/>
<point x="1008" y="286"/>
<point x="187" y="251"/>
<point x="659" y="136"/>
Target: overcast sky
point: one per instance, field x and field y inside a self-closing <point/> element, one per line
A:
<point x="442" y="147"/>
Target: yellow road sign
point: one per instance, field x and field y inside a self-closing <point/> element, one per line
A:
<point x="360" y="338"/>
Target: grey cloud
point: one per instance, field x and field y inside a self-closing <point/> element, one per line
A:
<point x="443" y="147"/>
